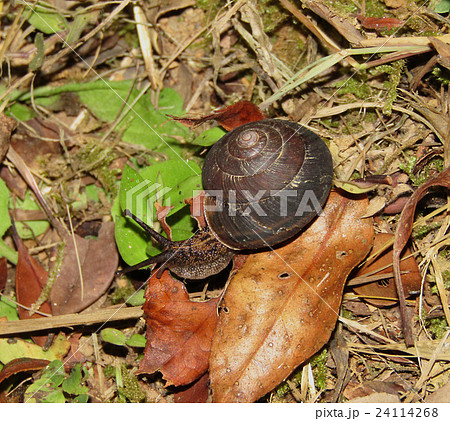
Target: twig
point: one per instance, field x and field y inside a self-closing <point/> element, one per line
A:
<point x="18" y="162"/>
<point x="67" y="320"/>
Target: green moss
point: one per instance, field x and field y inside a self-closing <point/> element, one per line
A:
<point x="347" y="314"/>
<point x="210" y="6"/>
<point x="342" y="7"/>
<point x="442" y="74"/>
<point x="52" y="275"/>
<point x="446" y="278"/>
<point x="435" y="164"/>
<point x="437" y="327"/>
<point x="354" y="86"/>
<point x="395" y="71"/>
<point x="121" y="295"/>
<point x="282" y="390"/>
<point x="131" y="389"/>
<point x="319" y="369"/>
<point x="95" y="159"/>
<point x="109" y="370"/>
<point x="273" y="15"/>
<point x="375" y="8"/>
<point x="422" y="231"/>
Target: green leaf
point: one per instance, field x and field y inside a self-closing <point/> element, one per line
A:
<point x="80" y="21"/>
<point x="442" y="6"/>
<point x="137" y="299"/>
<point x="20" y="348"/>
<point x="8" y="252"/>
<point x="38" y="58"/>
<point x="92" y="192"/>
<point x="30" y="229"/>
<point x="46" y="389"/>
<point x="170" y="102"/>
<point x="138" y="192"/>
<point x="5" y="221"/>
<point x="72" y="384"/>
<point x="137" y="341"/>
<point x="209" y="137"/>
<point x="143" y="124"/>
<point x="130" y="242"/>
<point x="8" y="309"/>
<point x="80" y="399"/>
<point x="21" y="112"/>
<point x="113" y="336"/>
<point x="47" y="21"/>
<point x="353" y="188"/>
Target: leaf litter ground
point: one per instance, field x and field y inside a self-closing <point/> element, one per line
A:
<point x="374" y="88"/>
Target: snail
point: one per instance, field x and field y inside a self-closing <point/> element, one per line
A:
<point x="264" y="182"/>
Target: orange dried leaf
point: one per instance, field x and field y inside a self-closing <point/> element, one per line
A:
<point x="196" y="392"/>
<point x="196" y="205"/>
<point x="161" y="215"/>
<point x="19" y="365"/>
<point x="179" y="331"/>
<point x="283" y="305"/>
<point x="229" y="118"/>
<point x="30" y="279"/>
<point x="379" y="23"/>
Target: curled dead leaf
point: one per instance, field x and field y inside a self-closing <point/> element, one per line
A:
<point x="382" y="265"/>
<point x="402" y="234"/>
<point x="179" y="331"/>
<point x="229" y="118"/>
<point x="282" y="305"/>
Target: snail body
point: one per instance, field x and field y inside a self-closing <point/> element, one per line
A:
<point x="264" y="182"/>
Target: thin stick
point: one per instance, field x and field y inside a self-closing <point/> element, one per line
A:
<point x="67" y="320"/>
<point x="76" y="252"/>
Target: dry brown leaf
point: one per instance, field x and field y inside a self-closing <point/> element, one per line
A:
<point x="7" y="125"/>
<point x="98" y="259"/>
<point x="441" y="395"/>
<point x="282" y="305"/>
<point x="30" y="279"/>
<point x="382" y="265"/>
<point x="196" y="392"/>
<point x="404" y="229"/>
<point x="29" y="144"/>
<point x="377" y="398"/>
<point x="443" y="50"/>
<point x="179" y="331"/>
<point x="3" y="273"/>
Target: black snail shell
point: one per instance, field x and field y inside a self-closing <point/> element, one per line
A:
<point x="265" y="181"/>
<point x="274" y="176"/>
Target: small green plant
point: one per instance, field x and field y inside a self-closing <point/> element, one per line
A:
<point x="117" y="337"/>
<point x="56" y="386"/>
<point x="395" y="71"/>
